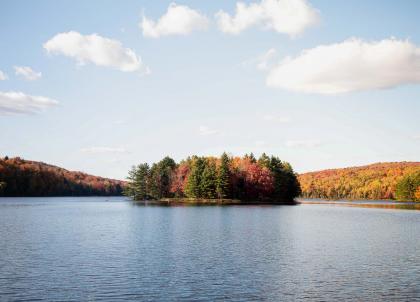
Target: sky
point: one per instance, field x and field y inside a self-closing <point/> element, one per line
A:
<point x="98" y="86"/>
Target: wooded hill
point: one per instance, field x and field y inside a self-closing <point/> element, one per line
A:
<point x="19" y="177"/>
<point x="393" y="180"/>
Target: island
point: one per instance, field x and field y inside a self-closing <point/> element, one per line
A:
<point x="224" y="180"/>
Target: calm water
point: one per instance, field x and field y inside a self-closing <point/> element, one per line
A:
<point x="106" y="249"/>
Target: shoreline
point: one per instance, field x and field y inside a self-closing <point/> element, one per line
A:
<point x="208" y="202"/>
<point x="382" y="204"/>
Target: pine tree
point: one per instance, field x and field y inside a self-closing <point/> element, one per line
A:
<point x="141" y="178"/>
<point x="165" y="168"/>
<point x="286" y="184"/>
<point x="264" y="161"/>
<point x="129" y="188"/>
<point x="137" y="182"/>
<point x="223" y="178"/>
<point x="153" y="189"/>
<point x="252" y="158"/>
<point x="208" y="180"/>
<point x="193" y="187"/>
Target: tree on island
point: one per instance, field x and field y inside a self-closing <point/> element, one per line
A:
<point x="160" y="178"/>
<point x="226" y="177"/>
<point x="223" y="177"/>
<point x="193" y="185"/>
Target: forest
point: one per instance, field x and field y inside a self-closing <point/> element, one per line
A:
<point x="394" y="180"/>
<point x="19" y="177"/>
<point x="408" y="188"/>
<point x="226" y="177"/>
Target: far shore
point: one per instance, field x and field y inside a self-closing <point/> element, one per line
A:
<point x="364" y="203"/>
<point x="388" y="204"/>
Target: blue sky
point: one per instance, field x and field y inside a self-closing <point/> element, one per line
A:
<point x="353" y="96"/>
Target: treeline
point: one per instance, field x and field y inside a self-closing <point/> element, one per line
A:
<point x="377" y="181"/>
<point x="19" y="177"/>
<point x="408" y="188"/>
<point x="243" y="178"/>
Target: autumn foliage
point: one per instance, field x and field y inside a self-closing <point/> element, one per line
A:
<point x="376" y="181"/>
<point x="19" y="177"/>
<point x="243" y="178"/>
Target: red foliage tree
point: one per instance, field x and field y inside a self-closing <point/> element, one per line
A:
<point x="179" y="179"/>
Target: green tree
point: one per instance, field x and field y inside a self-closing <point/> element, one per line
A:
<point x="141" y="178"/>
<point x="193" y="186"/>
<point x="129" y="188"/>
<point x="137" y="182"/>
<point x="264" y="161"/>
<point x="223" y="177"/>
<point x="407" y="187"/>
<point x="153" y="190"/>
<point x="251" y="157"/>
<point x="286" y="184"/>
<point x="208" y="180"/>
<point x="160" y="178"/>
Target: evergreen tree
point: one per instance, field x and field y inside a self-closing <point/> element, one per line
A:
<point x="208" y="180"/>
<point x="223" y="177"/>
<point x="160" y="178"/>
<point x="264" y="161"/>
<point x="286" y="184"/>
<point x="252" y="158"/>
<point x="193" y="186"/>
<point x="165" y="168"/>
<point x="129" y="188"/>
<point x="137" y="182"/>
<point x="141" y="178"/>
<point x="408" y="187"/>
<point x="153" y="190"/>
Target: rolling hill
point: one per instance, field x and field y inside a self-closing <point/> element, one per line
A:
<point x="19" y="177"/>
<point x="375" y="181"/>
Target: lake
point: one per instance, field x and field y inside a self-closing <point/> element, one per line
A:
<point x="108" y="249"/>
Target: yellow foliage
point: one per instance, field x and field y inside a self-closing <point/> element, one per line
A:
<point x="376" y="181"/>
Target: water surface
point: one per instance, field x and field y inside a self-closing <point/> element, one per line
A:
<point x="107" y="249"/>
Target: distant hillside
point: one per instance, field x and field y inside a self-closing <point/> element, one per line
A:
<point x="376" y="181"/>
<point x="19" y="177"/>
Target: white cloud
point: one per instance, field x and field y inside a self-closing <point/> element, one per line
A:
<point x="274" y="118"/>
<point x="352" y="65"/>
<point x="3" y="76"/>
<point x="21" y="103"/>
<point x="310" y="143"/>
<point x="265" y="61"/>
<point x="95" y="49"/>
<point x="290" y="17"/>
<point x="204" y="130"/>
<point x="178" y="20"/>
<point x="99" y="150"/>
<point x="27" y="72"/>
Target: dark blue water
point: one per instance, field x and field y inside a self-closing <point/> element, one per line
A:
<point x="107" y="249"/>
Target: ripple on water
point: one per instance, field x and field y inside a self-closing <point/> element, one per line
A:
<point x="90" y="249"/>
